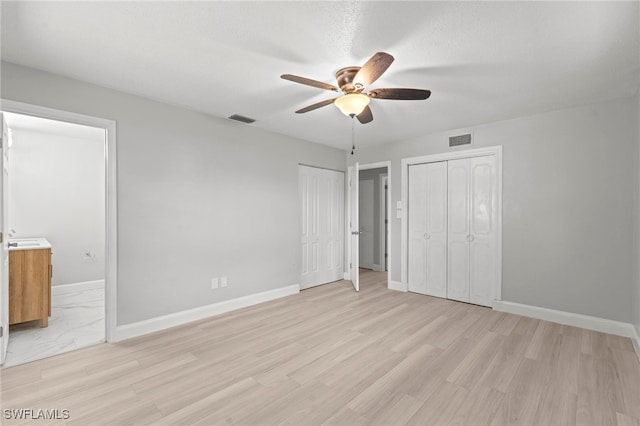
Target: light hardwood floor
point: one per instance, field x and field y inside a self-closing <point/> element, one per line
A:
<point x="332" y="356"/>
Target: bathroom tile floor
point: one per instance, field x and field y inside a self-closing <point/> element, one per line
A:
<point x="76" y="321"/>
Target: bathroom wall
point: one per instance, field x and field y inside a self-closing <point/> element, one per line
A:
<point x="198" y="196"/>
<point x="56" y="191"/>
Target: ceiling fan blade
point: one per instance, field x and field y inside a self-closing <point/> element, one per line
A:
<point x="315" y="106"/>
<point x="365" y="116"/>
<point x="400" y="94"/>
<point x="373" y="68"/>
<point x="309" y="82"/>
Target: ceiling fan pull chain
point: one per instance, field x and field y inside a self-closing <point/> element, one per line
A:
<point x="353" y="133"/>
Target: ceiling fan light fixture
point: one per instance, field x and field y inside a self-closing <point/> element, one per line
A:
<point x="352" y="103"/>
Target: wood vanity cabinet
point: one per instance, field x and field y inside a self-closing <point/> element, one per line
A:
<point x="30" y="286"/>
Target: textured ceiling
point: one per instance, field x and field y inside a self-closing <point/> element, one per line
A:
<point x="483" y="61"/>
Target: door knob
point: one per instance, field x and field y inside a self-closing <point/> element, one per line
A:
<point x="427" y="235"/>
<point x="356" y="232"/>
<point x="470" y="238"/>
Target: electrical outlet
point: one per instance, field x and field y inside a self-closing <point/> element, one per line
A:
<point x="214" y="283"/>
<point x="223" y="281"/>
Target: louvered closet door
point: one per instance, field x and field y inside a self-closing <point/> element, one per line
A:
<point x="428" y="229"/>
<point x="321" y="195"/>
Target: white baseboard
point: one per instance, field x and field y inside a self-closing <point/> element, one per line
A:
<point x="72" y="288"/>
<point x="377" y="268"/>
<point x="567" y="318"/>
<point x="397" y="286"/>
<point x="129" y="331"/>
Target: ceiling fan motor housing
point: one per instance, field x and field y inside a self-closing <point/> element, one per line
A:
<point x="344" y="77"/>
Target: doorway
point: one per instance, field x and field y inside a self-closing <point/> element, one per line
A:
<point x="369" y="223"/>
<point x="60" y="162"/>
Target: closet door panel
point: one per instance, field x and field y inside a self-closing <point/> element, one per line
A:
<point x="436" y="233"/>
<point x="482" y="244"/>
<point x="458" y="227"/>
<point x="310" y="226"/>
<point x="332" y="235"/>
<point x="482" y="272"/>
<point x="417" y="212"/>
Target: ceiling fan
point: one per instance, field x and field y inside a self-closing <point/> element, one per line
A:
<point x="352" y="81"/>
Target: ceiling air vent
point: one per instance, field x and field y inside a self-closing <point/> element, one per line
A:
<point x="460" y="140"/>
<point x="241" y="118"/>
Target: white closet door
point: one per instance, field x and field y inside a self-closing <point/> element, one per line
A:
<point x="332" y="226"/>
<point x="417" y="215"/>
<point x="482" y="244"/>
<point x="310" y="226"/>
<point x="436" y="237"/>
<point x="322" y="225"/>
<point x="428" y="229"/>
<point x="458" y="238"/>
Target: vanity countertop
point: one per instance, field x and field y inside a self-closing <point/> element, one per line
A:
<point x="28" y="244"/>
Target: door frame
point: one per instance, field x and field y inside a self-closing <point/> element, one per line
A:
<point x="445" y="156"/>
<point x="368" y="166"/>
<point x="383" y="216"/>
<point x="111" y="234"/>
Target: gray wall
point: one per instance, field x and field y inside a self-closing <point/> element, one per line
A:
<point x="56" y="191"/>
<point x="568" y="180"/>
<point x="374" y="174"/>
<point x="198" y="196"/>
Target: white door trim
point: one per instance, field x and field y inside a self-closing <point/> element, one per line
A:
<point x="378" y="165"/>
<point x="445" y="156"/>
<point x="111" y="240"/>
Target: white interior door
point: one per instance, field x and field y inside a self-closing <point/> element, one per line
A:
<point x="458" y="227"/>
<point x="332" y="225"/>
<point x="428" y="229"/>
<point x="310" y="226"/>
<point x="436" y="237"/>
<point x="4" y="253"/>
<point x="417" y="215"/>
<point x="354" y="227"/>
<point x="366" y="223"/>
<point x="483" y="233"/>
<point x="321" y="225"/>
